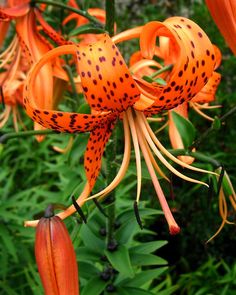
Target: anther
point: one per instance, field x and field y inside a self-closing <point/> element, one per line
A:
<point x="136" y="212"/>
<point x="79" y="210"/>
<point x="222" y="172"/>
<point x="2" y="97"/>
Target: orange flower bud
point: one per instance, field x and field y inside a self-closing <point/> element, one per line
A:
<point x="55" y="257"/>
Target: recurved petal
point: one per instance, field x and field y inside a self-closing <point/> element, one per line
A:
<point x="207" y="93"/>
<point x="60" y="121"/>
<point x="9" y="13"/>
<point x="193" y="59"/>
<point x="224" y="14"/>
<point x="105" y="77"/>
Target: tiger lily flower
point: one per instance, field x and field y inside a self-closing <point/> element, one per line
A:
<point x="55" y="257"/>
<point x="223" y="13"/>
<point x="113" y="93"/>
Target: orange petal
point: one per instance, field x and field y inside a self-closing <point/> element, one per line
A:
<point x="60" y="121"/>
<point x="224" y="14"/>
<point x="8" y="13"/>
<point x="94" y="151"/>
<point x="218" y="56"/>
<point x="207" y="93"/>
<point x="35" y="47"/>
<point x="3" y="31"/>
<point x="105" y="78"/>
<point x="55" y="257"/>
<point x="193" y="58"/>
<point x="50" y="32"/>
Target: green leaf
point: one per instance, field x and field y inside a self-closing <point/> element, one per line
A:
<point x="7" y="239"/>
<point x="186" y="129"/>
<point x="87" y="270"/>
<point x="160" y="81"/>
<point x="86" y="29"/>
<point x="94" y="287"/>
<point x="133" y="291"/>
<point x="90" y="239"/>
<point x="120" y="260"/>
<point x="146" y="276"/>
<point x="86" y="254"/>
<point x="84" y="109"/>
<point x="148" y="79"/>
<point x="168" y="291"/>
<point x="148" y="247"/>
<point x="146" y="259"/>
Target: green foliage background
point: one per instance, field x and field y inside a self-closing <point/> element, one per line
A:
<point x="33" y="175"/>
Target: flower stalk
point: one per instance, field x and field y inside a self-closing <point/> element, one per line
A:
<point x="111" y="148"/>
<point x="73" y="9"/>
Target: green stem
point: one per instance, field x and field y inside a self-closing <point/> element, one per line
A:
<point x="11" y="135"/>
<point x="72" y="82"/>
<point x="210" y="129"/>
<point x="110" y="16"/>
<point x="110" y="201"/>
<point x="78" y="11"/>
<point x="162" y="70"/>
<point x="111" y="148"/>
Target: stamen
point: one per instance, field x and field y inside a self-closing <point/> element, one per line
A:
<point x="196" y="109"/>
<point x="220" y="180"/>
<point x="162" y="127"/>
<point x="155" y="119"/>
<point x="223" y="213"/>
<point x="173" y="227"/>
<point x="66" y="149"/>
<point x="145" y="133"/>
<point x="8" y="54"/>
<point x="2" y="97"/>
<point x="15" y="118"/>
<point x="154" y="163"/>
<point x="168" y="154"/>
<point x="79" y="210"/>
<point x="137" y="152"/>
<point x="136" y="212"/>
<point x="206" y="106"/>
<point x="6" y="115"/>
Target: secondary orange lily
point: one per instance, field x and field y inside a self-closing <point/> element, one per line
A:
<point x="31" y="46"/>
<point x="224" y="14"/>
<point x="113" y="93"/>
<point x="55" y="257"/>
